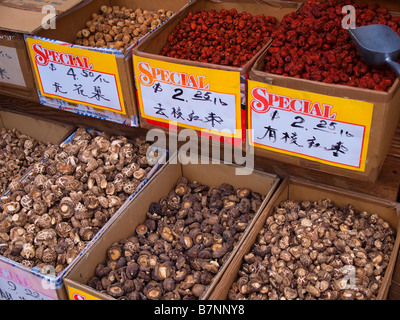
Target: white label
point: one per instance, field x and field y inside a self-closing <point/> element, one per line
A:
<point x="192" y="107"/>
<point x="328" y="140"/>
<point x="80" y="85"/>
<point x="10" y="69"/>
<point x="12" y="290"/>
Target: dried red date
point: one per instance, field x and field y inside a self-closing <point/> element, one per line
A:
<point x="327" y="51"/>
<point x="236" y="37"/>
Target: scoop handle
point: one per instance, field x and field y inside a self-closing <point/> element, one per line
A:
<point x="394" y="65"/>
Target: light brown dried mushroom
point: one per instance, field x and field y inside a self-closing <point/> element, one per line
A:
<point x="315" y="250"/>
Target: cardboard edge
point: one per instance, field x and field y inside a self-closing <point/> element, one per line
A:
<point x="235" y="265"/>
<point x="59" y="279"/>
<point x="216" y="280"/>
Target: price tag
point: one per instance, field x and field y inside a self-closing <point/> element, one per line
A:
<point x="326" y="129"/>
<point x="76" y="294"/>
<point x="10" y="68"/>
<point x="193" y="97"/>
<point x="16" y="284"/>
<point x="76" y="75"/>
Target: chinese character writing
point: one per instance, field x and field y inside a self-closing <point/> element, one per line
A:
<point x="193" y="117"/>
<point x="275" y="115"/>
<point x="338" y="147"/>
<point x="97" y="94"/>
<point x="177" y="113"/>
<point x="52" y="67"/>
<point x="293" y="140"/>
<point x="348" y="134"/>
<point x="79" y="90"/>
<point x="58" y="87"/>
<point x="160" y="110"/>
<point x="213" y="118"/>
<point x="311" y="143"/>
<point x="3" y="74"/>
<point x="101" y="79"/>
<point x="157" y="88"/>
<point x="270" y="132"/>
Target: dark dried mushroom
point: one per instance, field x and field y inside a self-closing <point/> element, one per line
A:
<point x="153" y="290"/>
<point x="181" y="246"/>
<point x="115" y="290"/>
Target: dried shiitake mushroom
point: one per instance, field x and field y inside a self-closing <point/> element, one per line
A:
<point x="316" y="250"/>
<point x="62" y="204"/>
<point x="18" y="152"/>
<point x="178" y="250"/>
<point x="119" y="27"/>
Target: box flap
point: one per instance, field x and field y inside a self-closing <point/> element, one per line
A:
<point x="26" y="16"/>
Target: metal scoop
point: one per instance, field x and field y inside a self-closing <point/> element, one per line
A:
<point x="377" y="45"/>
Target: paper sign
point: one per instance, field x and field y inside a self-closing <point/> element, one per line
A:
<point x="193" y="97"/>
<point x="76" y="75"/>
<point x="326" y="129"/>
<point x="10" y="69"/>
<point x="16" y="284"/>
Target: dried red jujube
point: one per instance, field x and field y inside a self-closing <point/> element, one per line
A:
<point x="225" y="37"/>
<point x="312" y="44"/>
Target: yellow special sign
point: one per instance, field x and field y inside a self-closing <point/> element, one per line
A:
<point x="326" y="129"/>
<point x="193" y="97"/>
<point x="76" y="75"/>
<point x="76" y="294"/>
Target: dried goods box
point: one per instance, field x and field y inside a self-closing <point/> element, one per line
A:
<point x="40" y="129"/>
<point x="337" y="129"/>
<point x="394" y="292"/>
<point x="302" y="190"/>
<point x="16" y="19"/>
<point x="177" y="93"/>
<point x="136" y="213"/>
<point x="18" y="282"/>
<point x="92" y="81"/>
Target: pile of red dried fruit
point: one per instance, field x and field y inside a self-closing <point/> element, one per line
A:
<point x="225" y="37"/>
<point x="312" y="44"/>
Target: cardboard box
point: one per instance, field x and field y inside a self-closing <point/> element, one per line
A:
<point x="16" y="77"/>
<point x="223" y="85"/>
<point x="100" y="81"/>
<point x="18" y="282"/>
<point x="297" y="189"/>
<point x="16" y="19"/>
<point x="135" y="213"/>
<point x="337" y="129"/>
<point x="39" y="129"/>
<point x="394" y="292"/>
<point x="396" y="272"/>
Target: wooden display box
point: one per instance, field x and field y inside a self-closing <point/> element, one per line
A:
<point x="217" y="82"/>
<point x="96" y="82"/>
<point x="337" y="129"/>
<point x="15" y="282"/>
<point x="394" y="292"/>
<point x="135" y="213"/>
<point x="18" y="282"/>
<point x="16" y="77"/>
<point x="297" y="189"/>
<point x="16" y="19"/>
